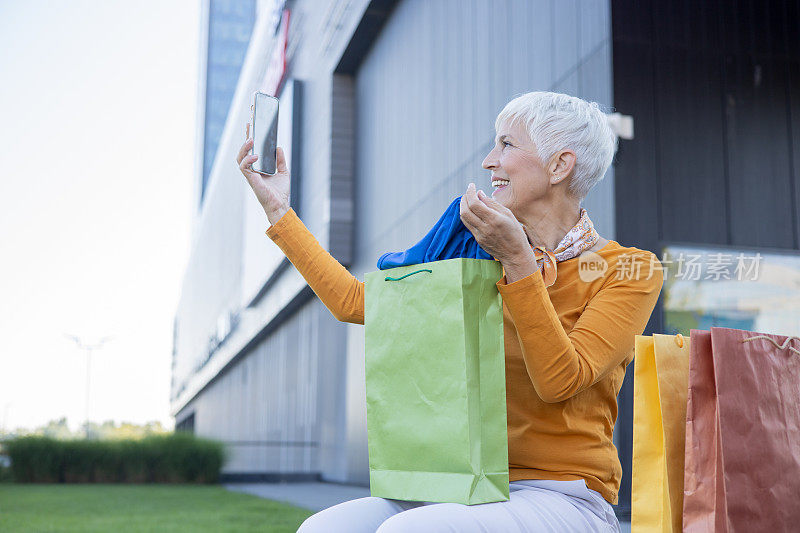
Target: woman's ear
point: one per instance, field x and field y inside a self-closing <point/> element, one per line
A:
<point x="561" y="166"/>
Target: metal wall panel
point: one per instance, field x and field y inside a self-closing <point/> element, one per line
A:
<point x="713" y="90"/>
<point x="712" y="94"/>
<point x="266" y="407"/>
<point x="690" y="152"/>
<point x="794" y="127"/>
<point x="429" y="90"/>
<point x="426" y="98"/>
<point x="759" y="166"/>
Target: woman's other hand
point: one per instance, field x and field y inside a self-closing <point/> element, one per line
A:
<point x="498" y="232"/>
<point x="272" y="191"/>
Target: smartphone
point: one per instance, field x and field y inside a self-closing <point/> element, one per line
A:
<point x="264" y="131"/>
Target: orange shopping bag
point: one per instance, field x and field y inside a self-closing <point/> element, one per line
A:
<point x="742" y="465"/>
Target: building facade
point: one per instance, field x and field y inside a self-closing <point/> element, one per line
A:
<point x="387" y="110"/>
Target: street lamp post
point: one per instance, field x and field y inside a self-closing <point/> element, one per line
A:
<point x="5" y="421"/>
<point x="88" y="348"/>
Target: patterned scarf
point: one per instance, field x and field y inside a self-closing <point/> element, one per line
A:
<point x="580" y="238"/>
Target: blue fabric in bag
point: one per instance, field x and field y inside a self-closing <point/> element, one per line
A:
<point x="449" y="238"/>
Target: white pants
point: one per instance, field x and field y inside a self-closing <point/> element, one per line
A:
<point x="534" y="506"/>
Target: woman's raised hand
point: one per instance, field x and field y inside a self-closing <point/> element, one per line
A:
<point x="272" y="191"/>
<point x="494" y="227"/>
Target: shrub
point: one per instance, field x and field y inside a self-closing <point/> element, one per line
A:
<point x="35" y="458"/>
<point x="5" y="474"/>
<point x="172" y="458"/>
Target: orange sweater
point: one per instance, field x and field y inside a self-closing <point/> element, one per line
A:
<point x="566" y="349"/>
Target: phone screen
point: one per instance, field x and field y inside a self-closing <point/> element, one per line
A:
<point x="265" y="132"/>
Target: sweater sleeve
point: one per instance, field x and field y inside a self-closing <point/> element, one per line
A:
<point x="338" y="289"/>
<point x="561" y="364"/>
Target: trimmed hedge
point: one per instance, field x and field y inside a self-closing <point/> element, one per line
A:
<point x="173" y="458"/>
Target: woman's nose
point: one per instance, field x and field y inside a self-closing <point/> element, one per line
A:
<point x="489" y="161"/>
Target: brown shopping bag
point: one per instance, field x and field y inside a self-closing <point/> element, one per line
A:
<point x="742" y="464"/>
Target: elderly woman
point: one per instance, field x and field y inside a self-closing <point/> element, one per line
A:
<point x="572" y="302"/>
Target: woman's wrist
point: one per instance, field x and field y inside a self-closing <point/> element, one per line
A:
<point x="520" y="266"/>
<point x="275" y="214"/>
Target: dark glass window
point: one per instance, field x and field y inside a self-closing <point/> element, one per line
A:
<point x="230" y="23"/>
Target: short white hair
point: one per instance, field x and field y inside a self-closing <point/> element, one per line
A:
<point x="556" y="122"/>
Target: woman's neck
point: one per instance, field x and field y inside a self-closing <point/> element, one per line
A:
<point x="547" y="224"/>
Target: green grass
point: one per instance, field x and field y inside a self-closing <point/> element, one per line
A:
<point x="123" y="508"/>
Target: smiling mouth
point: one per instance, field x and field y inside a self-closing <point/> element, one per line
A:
<point x="499" y="183"/>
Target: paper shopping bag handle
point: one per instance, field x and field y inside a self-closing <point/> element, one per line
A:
<point x="785" y="344"/>
<point x="409" y="274"/>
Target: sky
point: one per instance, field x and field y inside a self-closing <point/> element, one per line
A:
<point x="97" y="132"/>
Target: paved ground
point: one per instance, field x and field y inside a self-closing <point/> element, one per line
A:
<point x="316" y="496"/>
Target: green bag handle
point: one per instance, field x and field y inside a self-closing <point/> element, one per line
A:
<point x="409" y="274"/>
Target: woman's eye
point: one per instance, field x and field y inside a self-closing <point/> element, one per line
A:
<point x="506" y="143"/>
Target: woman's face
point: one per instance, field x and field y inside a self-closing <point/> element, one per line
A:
<point x="519" y="177"/>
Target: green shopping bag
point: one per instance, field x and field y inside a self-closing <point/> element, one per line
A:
<point x="436" y="394"/>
